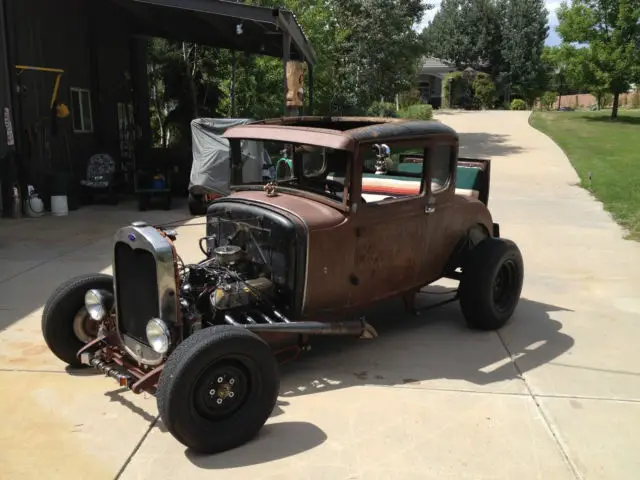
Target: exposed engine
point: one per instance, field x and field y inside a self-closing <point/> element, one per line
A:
<point x="233" y="285"/>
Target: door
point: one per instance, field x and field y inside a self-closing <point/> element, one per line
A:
<point x="392" y="227"/>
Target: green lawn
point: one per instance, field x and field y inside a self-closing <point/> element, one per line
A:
<point x="610" y="150"/>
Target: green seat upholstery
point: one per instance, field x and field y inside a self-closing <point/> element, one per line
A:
<point x="380" y="187"/>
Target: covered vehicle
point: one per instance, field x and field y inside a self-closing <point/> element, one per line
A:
<point x="372" y="209"/>
<point x="209" y="177"/>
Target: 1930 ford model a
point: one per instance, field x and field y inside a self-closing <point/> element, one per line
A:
<point x="374" y="208"/>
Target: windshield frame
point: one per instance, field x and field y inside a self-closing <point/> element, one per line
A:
<point x="236" y="184"/>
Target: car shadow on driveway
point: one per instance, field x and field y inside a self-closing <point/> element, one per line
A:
<point x="410" y="352"/>
<point x="435" y="346"/>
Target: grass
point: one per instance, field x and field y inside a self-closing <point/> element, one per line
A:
<point x="609" y="149"/>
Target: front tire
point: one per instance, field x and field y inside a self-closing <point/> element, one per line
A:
<point x="491" y="283"/>
<point x="218" y="388"/>
<point x="66" y="329"/>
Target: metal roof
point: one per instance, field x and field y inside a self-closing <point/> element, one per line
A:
<point x="221" y="23"/>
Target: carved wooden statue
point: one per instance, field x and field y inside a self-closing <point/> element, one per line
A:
<point x="295" y="84"/>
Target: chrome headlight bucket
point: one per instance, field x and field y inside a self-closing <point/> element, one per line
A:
<point x="158" y="335"/>
<point x="98" y="303"/>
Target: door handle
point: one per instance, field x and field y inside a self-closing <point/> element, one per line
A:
<point x="429" y="209"/>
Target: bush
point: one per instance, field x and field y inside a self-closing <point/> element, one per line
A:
<point x="418" y="111"/>
<point x="548" y="99"/>
<point x="382" y="109"/>
<point x="518" y="104"/>
<point x="484" y="91"/>
<point x="607" y="100"/>
<point x="457" y="91"/>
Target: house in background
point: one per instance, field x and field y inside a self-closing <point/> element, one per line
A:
<point x="100" y="46"/>
<point x="430" y="77"/>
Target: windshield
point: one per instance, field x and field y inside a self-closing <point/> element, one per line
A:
<point x="297" y="166"/>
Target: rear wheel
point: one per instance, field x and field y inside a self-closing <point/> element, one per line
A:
<point x="66" y="325"/>
<point x="491" y="283"/>
<point x="218" y="388"/>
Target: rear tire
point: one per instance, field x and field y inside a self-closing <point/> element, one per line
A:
<point x="60" y="312"/>
<point x="491" y="283"/>
<point x="218" y="388"/>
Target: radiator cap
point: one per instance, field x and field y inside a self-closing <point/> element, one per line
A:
<point x="139" y="224"/>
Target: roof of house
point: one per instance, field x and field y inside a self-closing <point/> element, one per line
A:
<point x="432" y="65"/>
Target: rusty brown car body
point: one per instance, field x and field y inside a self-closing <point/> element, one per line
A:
<point x="374" y="209"/>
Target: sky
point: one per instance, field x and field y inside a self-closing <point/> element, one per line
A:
<point x="552" y="5"/>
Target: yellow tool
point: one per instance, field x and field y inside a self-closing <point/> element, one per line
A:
<point x="62" y="110"/>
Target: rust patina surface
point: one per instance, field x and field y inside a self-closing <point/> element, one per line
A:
<point x="361" y="253"/>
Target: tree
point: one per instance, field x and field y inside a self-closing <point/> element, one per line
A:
<point x="466" y="33"/>
<point x="570" y="69"/>
<point x="611" y="30"/>
<point x="524" y="31"/>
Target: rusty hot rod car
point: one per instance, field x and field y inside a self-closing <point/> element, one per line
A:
<point x="372" y="209"/>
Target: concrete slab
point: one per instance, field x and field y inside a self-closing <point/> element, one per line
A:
<point x="601" y="437"/>
<point x="376" y="433"/>
<point x="80" y="426"/>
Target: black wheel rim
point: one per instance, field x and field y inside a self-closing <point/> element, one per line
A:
<point x="222" y="390"/>
<point x="505" y="286"/>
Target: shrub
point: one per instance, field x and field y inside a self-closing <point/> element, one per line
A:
<point x="457" y="91"/>
<point x="607" y="100"/>
<point x="410" y="97"/>
<point x="382" y="109"/>
<point x="418" y="111"/>
<point x="484" y="90"/>
<point x="518" y="104"/>
<point x="548" y="99"/>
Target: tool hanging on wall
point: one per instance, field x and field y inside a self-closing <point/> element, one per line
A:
<point x="58" y="110"/>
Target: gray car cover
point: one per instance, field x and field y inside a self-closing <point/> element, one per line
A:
<point x="210" y="167"/>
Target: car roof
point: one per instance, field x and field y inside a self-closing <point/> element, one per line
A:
<point x="338" y="132"/>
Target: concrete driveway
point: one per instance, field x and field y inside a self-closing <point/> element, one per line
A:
<point x="554" y="395"/>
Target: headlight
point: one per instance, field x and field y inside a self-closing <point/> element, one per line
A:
<point x="158" y="335"/>
<point x="98" y="303"/>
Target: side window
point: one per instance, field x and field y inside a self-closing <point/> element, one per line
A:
<point x="440" y="167"/>
<point x="392" y="171"/>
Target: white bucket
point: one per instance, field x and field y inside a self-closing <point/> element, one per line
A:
<point x="59" y="206"/>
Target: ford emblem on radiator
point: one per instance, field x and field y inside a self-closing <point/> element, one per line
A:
<point x="132" y="237"/>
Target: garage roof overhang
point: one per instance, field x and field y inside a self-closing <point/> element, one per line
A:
<point x="262" y="31"/>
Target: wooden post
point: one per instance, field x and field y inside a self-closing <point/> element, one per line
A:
<point x="286" y="55"/>
<point x="294" y="99"/>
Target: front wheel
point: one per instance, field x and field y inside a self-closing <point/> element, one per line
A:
<point x="66" y="325"/>
<point x="491" y="283"/>
<point x="218" y="388"/>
